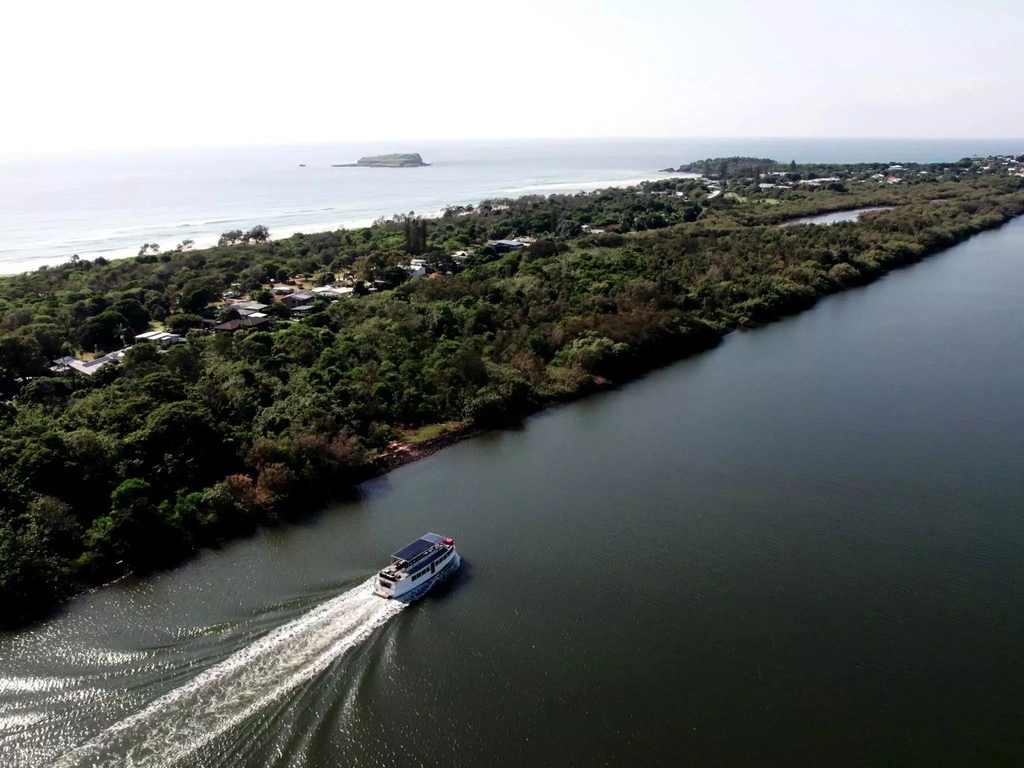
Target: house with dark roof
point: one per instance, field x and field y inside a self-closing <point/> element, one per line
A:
<point x="298" y="299"/>
<point x="242" y="323"/>
<point x="245" y="308"/>
<point x="506" y="246"/>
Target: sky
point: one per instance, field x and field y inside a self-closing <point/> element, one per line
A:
<point x="108" y="75"/>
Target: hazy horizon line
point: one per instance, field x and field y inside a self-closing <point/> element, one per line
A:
<point x="85" y="151"/>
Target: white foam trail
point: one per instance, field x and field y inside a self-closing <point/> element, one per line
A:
<point x="184" y="720"/>
<point x="9" y="685"/>
<point x="22" y="720"/>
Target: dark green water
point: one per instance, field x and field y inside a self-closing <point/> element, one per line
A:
<point x="805" y="547"/>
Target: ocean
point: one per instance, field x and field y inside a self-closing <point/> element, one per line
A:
<point x="110" y="204"/>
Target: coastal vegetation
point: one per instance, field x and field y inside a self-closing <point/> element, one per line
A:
<point x="163" y="451"/>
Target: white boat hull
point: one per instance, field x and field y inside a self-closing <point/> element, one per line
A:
<point x="413" y="586"/>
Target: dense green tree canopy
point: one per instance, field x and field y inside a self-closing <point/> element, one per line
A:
<point x="171" y="449"/>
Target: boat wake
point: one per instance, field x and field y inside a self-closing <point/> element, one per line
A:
<point x="183" y="721"/>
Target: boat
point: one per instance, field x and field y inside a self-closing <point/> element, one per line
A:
<point x="416" y="566"/>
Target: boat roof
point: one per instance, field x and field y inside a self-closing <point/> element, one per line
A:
<point x="418" y="547"/>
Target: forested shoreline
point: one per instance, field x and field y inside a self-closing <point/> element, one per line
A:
<point x="166" y="451"/>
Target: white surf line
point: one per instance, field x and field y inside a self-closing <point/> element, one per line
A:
<point x="184" y="720"/>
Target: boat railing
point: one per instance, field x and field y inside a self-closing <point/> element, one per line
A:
<point x="421" y="555"/>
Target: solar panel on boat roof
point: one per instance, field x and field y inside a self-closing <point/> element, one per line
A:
<point x="433" y="537"/>
<point x="425" y="562"/>
<point x="410" y="551"/>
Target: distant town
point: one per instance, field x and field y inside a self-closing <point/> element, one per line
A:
<point x="730" y="180"/>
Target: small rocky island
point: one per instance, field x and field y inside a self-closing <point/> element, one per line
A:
<point x="386" y="161"/>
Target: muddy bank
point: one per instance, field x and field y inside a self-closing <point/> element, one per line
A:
<point x="399" y="453"/>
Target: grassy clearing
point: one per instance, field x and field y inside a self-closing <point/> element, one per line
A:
<point x="427" y="432"/>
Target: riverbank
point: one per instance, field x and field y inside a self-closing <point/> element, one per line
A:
<point x="832" y="498"/>
<point x="164" y="453"/>
<point x="402" y="453"/>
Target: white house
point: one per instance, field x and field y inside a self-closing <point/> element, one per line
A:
<point x="415" y="267"/>
<point x="86" y="367"/>
<point x="333" y="293"/>
<point x="160" y="338"/>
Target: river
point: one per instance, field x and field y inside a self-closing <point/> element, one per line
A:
<point x="804" y="547"/>
<point x="835" y="217"/>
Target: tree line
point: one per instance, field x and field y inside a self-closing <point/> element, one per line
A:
<point x="139" y="464"/>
